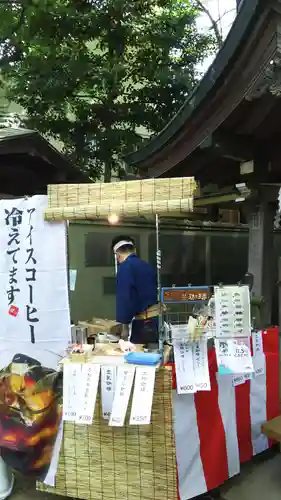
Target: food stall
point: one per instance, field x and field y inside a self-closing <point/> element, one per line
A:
<point x="179" y="442"/>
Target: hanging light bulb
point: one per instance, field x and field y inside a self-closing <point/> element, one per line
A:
<point x="113" y="219"/>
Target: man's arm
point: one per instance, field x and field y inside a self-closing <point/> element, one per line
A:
<point x="124" y="299"/>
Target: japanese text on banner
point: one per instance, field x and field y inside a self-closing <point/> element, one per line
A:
<point x="34" y="302"/>
<point x="184" y="367"/>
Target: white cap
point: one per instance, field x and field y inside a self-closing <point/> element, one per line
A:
<point x="122" y="244"/>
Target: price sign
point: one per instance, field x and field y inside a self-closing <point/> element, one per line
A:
<point x="124" y="382"/>
<point x="259" y="357"/>
<point x="71" y="388"/>
<point x="88" y="393"/>
<point x="143" y="395"/>
<point x="233" y="356"/>
<point x="201" y="366"/>
<point x="257" y="343"/>
<point x="184" y="367"/>
<point x="238" y="380"/>
<point x="108" y="383"/>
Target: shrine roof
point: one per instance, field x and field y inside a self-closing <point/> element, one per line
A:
<point x="251" y="44"/>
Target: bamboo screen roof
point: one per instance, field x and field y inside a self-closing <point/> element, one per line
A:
<point x="165" y="197"/>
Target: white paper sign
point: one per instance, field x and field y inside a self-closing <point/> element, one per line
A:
<point x="238" y="380"/>
<point x="124" y="382"/>
<point x="201" y="366"/>
<point x="232" y="310"/>
<point x="108" y="384"/>
<point x="50" y="479"/>
<point x="71" y="391"/>
<point x="34" y="303"/>
<point x="143" y="395"/>
<point x="257" y="343"/>
<point x="89" y="381"/>
<point x="179" y="332"/>
<point x="233" y="356"/>
<point x="184" y="367"/>
<point x="72" y="279"/>
<point x="259" y="357"/>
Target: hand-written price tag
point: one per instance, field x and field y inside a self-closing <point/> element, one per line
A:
<point x="108" y="383"/>
<point x="71" y="390"/>
<point x="124" y="382"/>
<point x="257" y="343"/>
<point x="238" y="380"/>
<point x="259" y="357"/>
<point x="143" y="395"/>
<point x="89" y="380"/>
<point x="201" y="366"/>
<point x="184" y="367"/>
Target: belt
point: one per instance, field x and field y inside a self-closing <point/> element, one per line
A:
<point x="150" y="312"/>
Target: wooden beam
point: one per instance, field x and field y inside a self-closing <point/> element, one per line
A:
<point x="230" y="146"/>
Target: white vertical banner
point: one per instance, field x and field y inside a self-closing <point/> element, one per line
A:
<point x="184" y="367"/>
<point x="124" y="382"/>
<point x="201" y="365"/>
<point x="108" y="384"/>
<point x="143" y="395"/>
<point x="34" y="304"/>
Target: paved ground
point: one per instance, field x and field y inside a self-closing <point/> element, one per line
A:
<point x="259" y="480"/>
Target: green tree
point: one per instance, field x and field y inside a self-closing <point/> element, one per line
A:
<point x="90" y="73"/>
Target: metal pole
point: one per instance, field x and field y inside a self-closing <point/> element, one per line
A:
<point x="158" y="264"/>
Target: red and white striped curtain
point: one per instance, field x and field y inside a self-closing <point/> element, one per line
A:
<point x="216" y="431"/>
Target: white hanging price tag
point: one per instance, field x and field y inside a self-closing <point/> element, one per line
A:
<point x="71" y="388"/>
<point x="238" y="380"/>
<point x="184" y="367"/>
<point x="179" y="332"/>
<point x="143" y="395"/>
<point x="259" y="357"/>
<point x="124" y="382"/>
<point x="201" y="365"/>
<point x="257" y="343"/>
<point x="88" y="393"/>
<point x="108" y="383"/>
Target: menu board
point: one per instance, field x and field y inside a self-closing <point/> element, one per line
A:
<point x="232" y="306"/>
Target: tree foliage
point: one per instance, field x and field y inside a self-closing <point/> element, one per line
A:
<point x="92" y="72"/>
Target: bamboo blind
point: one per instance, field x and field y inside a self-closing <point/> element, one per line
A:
<point x="126" y="463"/>
<point x="131" y="198"/>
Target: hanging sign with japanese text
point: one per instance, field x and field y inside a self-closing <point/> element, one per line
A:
<point x="143" y="395"/>
<point x="201" y="365"/>
<point x="124" y="382"/>
<point x="34" y="305"/>
<point x="108" y="381"/>
<point x="184" y="367"/>
<point x="259" y="356"/>
<point x="89" y="380"/>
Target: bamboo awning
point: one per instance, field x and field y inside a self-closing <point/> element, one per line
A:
<point x="164" y="197"/>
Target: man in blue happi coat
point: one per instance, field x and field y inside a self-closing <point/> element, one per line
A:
<point x="136" y="293"/>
